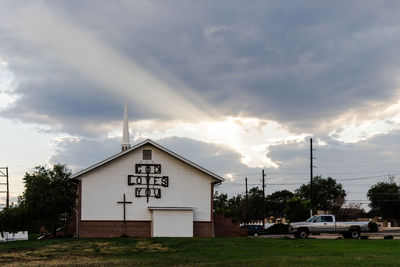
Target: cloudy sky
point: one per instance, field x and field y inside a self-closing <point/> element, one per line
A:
<point x="234" y="86"/>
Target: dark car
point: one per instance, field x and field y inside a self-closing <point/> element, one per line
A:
<point x="253" y="229"/>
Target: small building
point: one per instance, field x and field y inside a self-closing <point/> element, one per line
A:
<point x="145" y="191"/>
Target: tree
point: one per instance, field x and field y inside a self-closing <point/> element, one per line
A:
<point x="50" y="196"/>
<point x="48" y="200"/>
<point x="12" y="219"/>
<point x="385" y="198"/>
<point x="236" y="208"/>
<point x="297" y="209"/>
<point x="327" y="193"/>
<point x="276" y="202"/>
<point x="220" y="202"/>
<point x="255" y="204"/>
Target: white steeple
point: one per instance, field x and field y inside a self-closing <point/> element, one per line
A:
<point x="125" y="133"/>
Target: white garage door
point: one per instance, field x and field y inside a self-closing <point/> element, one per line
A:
<point x="172" y="223"/>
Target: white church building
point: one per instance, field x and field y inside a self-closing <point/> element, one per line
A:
<point x="145" y="191"/>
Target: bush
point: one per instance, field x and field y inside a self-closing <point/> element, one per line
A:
<point x="277" y="229"/>
<point x="33" y="236"/>
<point x="13" y="219"/>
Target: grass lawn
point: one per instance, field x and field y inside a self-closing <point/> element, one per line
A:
<point x="201" y="251"/>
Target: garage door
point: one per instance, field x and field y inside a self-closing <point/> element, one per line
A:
<point x="172" y="223"/>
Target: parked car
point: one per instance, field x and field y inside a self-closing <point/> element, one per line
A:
<point x="253" y="229"/>
<point x="327" y="224"/>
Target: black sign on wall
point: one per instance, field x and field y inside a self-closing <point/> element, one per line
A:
<point x="146" y="181"/>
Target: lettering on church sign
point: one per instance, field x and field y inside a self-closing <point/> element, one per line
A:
<point x="146" y="181"/>
<point x="148" y="168"/>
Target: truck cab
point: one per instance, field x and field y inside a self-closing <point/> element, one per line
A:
<point x="323" y="223"/>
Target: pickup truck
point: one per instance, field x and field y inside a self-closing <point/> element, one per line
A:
<point x="327" y="224"/>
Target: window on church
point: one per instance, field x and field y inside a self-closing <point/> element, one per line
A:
<point x="146" y="154"/>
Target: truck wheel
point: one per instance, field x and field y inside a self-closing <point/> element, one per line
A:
<point x="355" y="233"/>
<point x="303" y="233"/>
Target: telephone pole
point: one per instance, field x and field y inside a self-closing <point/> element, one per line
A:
<point x="263" y="204"/>
<point x="311" y="178"/>
<point x="4" y="174"/>
<point x="247" y="203"/>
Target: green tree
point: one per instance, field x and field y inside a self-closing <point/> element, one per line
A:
<point x="297" y="209"/>
<point x="255" y="204"/>
<point x="49" y="196"/>
<point x="385" y="198"/>
<point x="236" y="208"/>
<point x="327" y="193"/>
<point x="48" y="200"/>
<point x="13" y="219"/>
<point x="220" y="202"/>
<point x="276" y="202"/>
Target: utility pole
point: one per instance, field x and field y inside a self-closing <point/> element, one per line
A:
<point x="247" y="203"/>
<point x="8" y="190"/>
<point x="311" y="178"/>
<point x="263" y="204"/>
<point x="4" y="174"/>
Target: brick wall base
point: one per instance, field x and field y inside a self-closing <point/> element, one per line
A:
<point x="114" y="228"/>
<point x="133" y="229"/>
<point x="202" y="229"/>
<point x="224" y="227"/>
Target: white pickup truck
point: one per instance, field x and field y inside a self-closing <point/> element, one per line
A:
<point x="327" y="224"/>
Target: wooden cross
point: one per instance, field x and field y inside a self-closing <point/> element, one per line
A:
<point x="124" y="202"/>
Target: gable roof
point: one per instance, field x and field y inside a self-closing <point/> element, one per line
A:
<point x="139" y="145"/>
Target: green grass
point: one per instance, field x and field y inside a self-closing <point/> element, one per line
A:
<point x="201" y="251"/>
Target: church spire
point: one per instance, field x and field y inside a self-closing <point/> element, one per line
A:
<point x="125" y="133"/>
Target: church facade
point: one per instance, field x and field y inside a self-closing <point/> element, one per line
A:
<point x="145" y="191"/>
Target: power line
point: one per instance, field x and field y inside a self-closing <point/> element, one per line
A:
<point x="362" y="177"/>
<point x="350" y="179"/>
<point x="345" y="179"/>
<point x="240" y="184"/>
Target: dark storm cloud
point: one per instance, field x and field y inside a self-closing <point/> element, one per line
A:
<point x="79" y="154"/>
<point x="58" y="100"/>
<point x="300" y="63"/>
